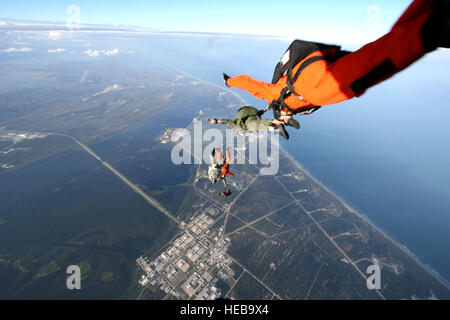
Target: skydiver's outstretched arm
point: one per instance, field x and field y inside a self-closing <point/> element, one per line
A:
<point x="212" y="158"/>
<point x="420" y="29"/>
<point x="260" y="89"/>
<point x="229" y="123"/>
<point x="205" y="176"/>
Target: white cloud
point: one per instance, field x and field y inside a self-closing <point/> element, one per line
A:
<point x="96" y="53"/>
<point x="17" y="50"/>
<point x="56" y="50"/>
<point x="111" y="52"/>
<point x="109" y="89"/>
<point x="55" y="35"/>
<point x="92" y="53"/>
<point x="2" y="23"/>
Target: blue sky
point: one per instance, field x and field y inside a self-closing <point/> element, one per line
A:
<point x="354" y="21"/>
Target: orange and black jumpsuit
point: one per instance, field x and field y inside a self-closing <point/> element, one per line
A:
<point x="225" y="170"/>
<point x="328" y="76"/>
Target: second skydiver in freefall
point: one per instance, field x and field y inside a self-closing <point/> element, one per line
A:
<point x="311" y="75"/>
<point x="218" y="170"/>
<point x="249" y="119"/>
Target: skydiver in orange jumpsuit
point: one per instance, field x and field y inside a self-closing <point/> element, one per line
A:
<point x="310" y="75"/>
<point x="225" y="170"/>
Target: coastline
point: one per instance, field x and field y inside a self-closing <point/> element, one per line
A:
<point x="366" y="219"/>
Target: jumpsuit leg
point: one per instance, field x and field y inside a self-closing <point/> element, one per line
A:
<point x="227" y="158"/>
<point x="219" y="157"/>
<point x="355" y="72"/>
<point x="211" y="157"/>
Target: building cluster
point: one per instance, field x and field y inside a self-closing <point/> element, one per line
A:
<point x="192" y="263"/>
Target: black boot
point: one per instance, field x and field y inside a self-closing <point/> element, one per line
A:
<point x="282" y="130"/>
<point x="226" y="77"/>
<point x="436" y="31"/>
<point x="293" y="123"/>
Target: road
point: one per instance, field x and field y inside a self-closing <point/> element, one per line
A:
<point x="260" y="218"/>
<point x="308" y="213"/>
<point x="153" y="202"/>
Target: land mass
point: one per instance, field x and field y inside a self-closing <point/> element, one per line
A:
<point x="283" y="236"/>
<point x="280" y="237"/>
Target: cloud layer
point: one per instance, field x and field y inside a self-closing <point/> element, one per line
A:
<point x="56" y="50"/>
<point x="24" y="49"/>
<point x="96" y="53"/>
<point x="54" y="35"/>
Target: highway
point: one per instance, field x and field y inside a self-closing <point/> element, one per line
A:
<point x="153" y="202"/>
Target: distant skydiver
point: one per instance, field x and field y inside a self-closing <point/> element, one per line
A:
<point x="311" y="74"/>
<point x="218" y="169"/>
<point x="226" y="193"/>
<point x="225" y="170"/>
<point x="249" y="119"/>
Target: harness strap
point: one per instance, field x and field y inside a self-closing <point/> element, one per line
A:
<point x="291" y="80"/>
<point x="283" y="104"/>
<point x="289" y="88"/>
<point x="306" y="63"/>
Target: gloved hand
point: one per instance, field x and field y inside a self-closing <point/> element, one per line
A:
<point x="226" y="77"/>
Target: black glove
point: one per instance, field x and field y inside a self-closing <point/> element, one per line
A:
<point x="226" y="77"/>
